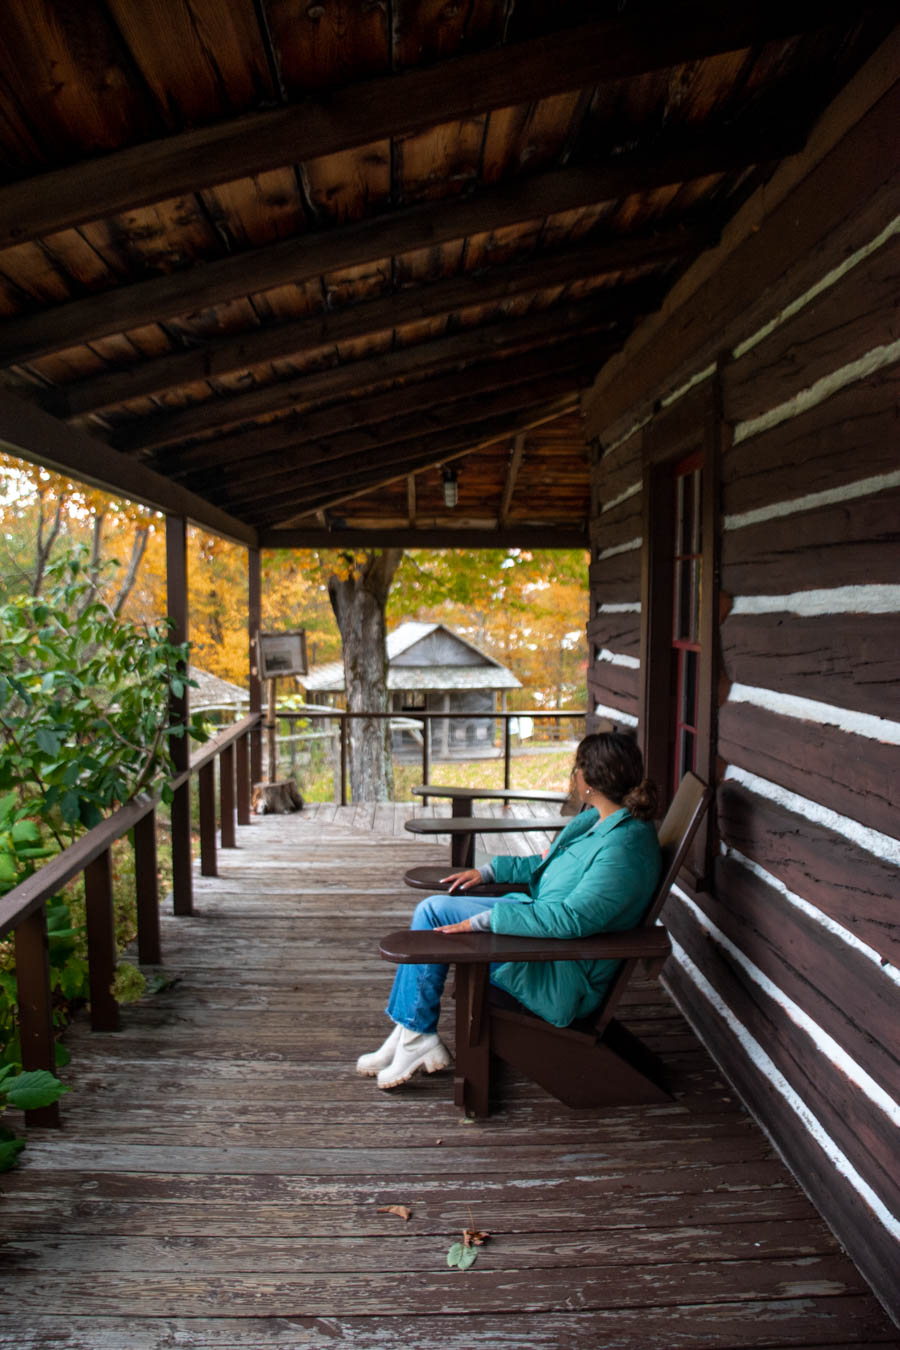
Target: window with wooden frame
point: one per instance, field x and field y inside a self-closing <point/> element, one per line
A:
<point x="679" y="598"/>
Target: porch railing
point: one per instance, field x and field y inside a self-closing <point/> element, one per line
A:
<point x="23" y="910"/>
<point x="426" y="718"/>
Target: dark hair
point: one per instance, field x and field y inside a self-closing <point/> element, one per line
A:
<point x="612" y="763"/>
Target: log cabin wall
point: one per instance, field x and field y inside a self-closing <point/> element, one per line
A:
<point x="786" y="934"/>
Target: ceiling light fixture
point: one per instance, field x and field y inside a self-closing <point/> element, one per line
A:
<point x="451" y="486"/>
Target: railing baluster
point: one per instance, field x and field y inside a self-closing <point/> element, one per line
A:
<point x="206" y="782"/>
<point x="343" y="759"/>
<point x="35" y="1006"/>
<point x="101" y="936"/>
<point x="426" y="753"/>
<point x="182" y="881"/>
<point x="507" y="750"/>
<point x="146" y="884"/>
<point x="242" y="762"/>
<point x="226" y="797"/>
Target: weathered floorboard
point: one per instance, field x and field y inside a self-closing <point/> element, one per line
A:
<point x="221" y="1172"/>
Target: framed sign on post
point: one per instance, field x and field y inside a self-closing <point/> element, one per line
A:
<point x="282" y="654"/>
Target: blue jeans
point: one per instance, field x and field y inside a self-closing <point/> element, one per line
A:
<point x="415" y="1000"/>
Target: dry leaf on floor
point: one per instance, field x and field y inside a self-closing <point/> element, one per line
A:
<point x="402" y="1211"/>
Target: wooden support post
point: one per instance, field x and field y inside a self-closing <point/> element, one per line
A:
<point x="254" y="620"/>
<point x="146" y="883"/>
<point x="242" y="760"/>
<point x="271" y="730"/>
<point x="344" y="720"/>
<point x="507" y="749"/>
<point x="101" y="938"/>
<point x="426" y="753"/>
<point x="35" y="1007"/>
<point x="226" y="797"/>
<point x="471" y="1083"/>
<point x="176" y="589"/>
<point x="206" y="781"/>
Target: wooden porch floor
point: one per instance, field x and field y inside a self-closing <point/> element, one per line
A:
<point x="221" y="1172"/>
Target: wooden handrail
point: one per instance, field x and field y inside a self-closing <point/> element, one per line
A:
<point x="22" y="909"/>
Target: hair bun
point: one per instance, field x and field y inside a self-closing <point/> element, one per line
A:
<point x="642" y="800"/>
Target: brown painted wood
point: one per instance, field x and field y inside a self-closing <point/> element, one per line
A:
<point x="35" y="1009"/>
<point x="242" y="770"/>
<point x="146" y="886"/>
<point x="227" y="355"/>
<point x="226" y="798"/>
<point x="618" y="469"/>
<point x="101" y="940"/>
<point x="826" y="869"/>
<point x="843" y="992"/>
<point x="853" y="775"/>
<point x="860" y="1131"/>
<point x="853" y="544"/>
<point x="206" y="782"/>
<point x="618" y="632"/>
<point x="849" y="660"/>
<point x="294" y="261"/>
<point x="180" y="811"/>
<point x="617" y="579"/>
<point x="853" y="317"/>
<point x="850" y="436"/>
<point x="616" y="686"/>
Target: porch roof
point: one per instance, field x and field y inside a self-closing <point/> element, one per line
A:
<point x="275" y="270"/>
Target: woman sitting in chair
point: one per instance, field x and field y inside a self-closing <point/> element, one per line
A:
<point x="598" y="876"/>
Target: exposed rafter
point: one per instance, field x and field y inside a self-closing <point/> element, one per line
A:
<point x="392" y="106"/>
<point x="469" y="345"/>
<point x="509" y="487"/>
<point x="278" y="342"/>
<point x="301" y="259"/>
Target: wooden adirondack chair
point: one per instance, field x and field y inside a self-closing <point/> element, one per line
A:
<point x="594" y="1062"/>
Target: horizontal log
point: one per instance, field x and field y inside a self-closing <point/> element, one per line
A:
<point x="850" y="436"/>
<point x="845" y="994"/>
<point x="852" y="317"/>
<point x="840" y="878"/>
<point x="277" y="342"/>
<point x="855" y="543"/>
<point x="849" y="660"/>
<point x="619" y="632"/>
<point x="618" y="525"/>
<point x="817" y="207"/>
<point x="867" y="1242"/>
<point x="614" y="686"/>
<point x="616" y="580"/>
<point x="300" y="259"/>
<point x="489" y="341"/>
<point x="385" y="107"/>
<point x="619" y="469"/>
<point x="863" y="1132"/>
<point x="854" y="775"/>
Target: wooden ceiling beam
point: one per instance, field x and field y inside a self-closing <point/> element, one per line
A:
<point x="436" y="453"/>
<point x="337" y="536"/>
<point x="353" y="414"/>
<point x="279" y="342"/>
<point x="258" y="481"/>
<point x="512" y="473"/>
<point x="305" y="257"/>
<point x="464" y="346"/>
<point x="395" y="105"/>
<point x="34" y="435"/>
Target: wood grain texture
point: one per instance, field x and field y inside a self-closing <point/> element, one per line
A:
<point x="220" y="1153"/>
<point x="823" y="867"/>
<point x="854" y="775"/>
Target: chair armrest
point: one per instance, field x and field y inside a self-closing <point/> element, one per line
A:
<point x="425" y="946"/>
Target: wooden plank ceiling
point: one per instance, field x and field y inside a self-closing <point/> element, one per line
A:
<point x="295" y="256"/>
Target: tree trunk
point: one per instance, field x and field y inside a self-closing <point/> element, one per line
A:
<point x="358" y="601"/>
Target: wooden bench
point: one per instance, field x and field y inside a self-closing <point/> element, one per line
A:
<point x="594" y="1062"/>
<point x="463" y="829"/>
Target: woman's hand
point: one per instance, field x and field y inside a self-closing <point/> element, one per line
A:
<point x="464" y="926"/>
<point x="463" y="881"/>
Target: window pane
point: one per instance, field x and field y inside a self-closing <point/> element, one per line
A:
<point x="687" y="756"/>
<point x="687" y="713"/>
<point x="696" y="571"/>
<point x="697" y="515"/>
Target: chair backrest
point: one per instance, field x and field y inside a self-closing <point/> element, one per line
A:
<point x="676" y="831"/>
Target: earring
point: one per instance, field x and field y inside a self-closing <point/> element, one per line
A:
<point x="587" y="791"/>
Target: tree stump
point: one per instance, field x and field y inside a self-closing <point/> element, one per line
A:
<point x="276" y="798"/>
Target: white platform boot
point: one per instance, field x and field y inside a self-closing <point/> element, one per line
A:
<point x="369" y="1065"/>
<point x="415" y="1050"/>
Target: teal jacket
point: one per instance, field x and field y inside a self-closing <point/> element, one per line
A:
<point x="599" y="876"/>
